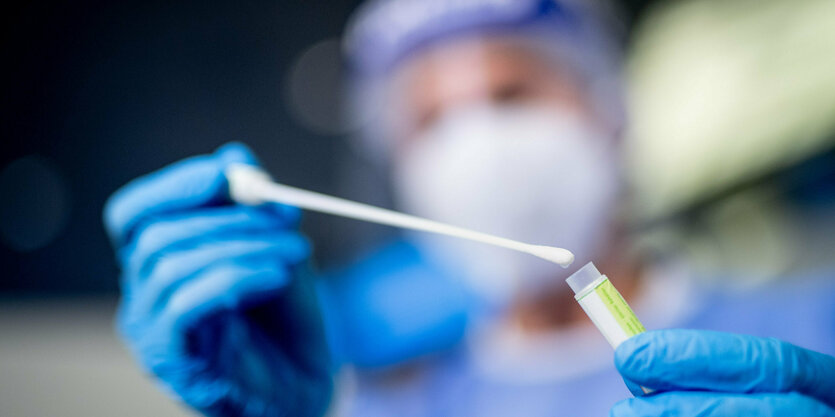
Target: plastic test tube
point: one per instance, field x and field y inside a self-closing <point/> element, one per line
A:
<point x="605" y="306"/>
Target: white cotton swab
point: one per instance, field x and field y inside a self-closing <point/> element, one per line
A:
<point x="251" y="185"/>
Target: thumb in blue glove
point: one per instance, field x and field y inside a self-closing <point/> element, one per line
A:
<point x="702" y="373"/>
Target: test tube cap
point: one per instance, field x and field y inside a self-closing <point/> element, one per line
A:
<point x="581" y="279"/>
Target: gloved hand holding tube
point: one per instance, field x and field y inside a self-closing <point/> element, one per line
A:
<point x="712" y="374"/>
<point x="215" y="303"/>
<point x="690" y="373"/>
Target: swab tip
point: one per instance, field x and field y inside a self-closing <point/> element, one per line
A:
<point x="560" y="256"/>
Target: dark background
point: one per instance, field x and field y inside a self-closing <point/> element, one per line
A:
<point x="105" y="92"/>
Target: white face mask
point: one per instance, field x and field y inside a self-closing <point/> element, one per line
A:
<point x="523" y="173"/>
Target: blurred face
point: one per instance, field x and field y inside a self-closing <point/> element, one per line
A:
<point x="479" y="71"/>
<point x="493" y="136"/>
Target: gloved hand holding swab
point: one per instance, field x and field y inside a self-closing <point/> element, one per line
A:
<point x="251" y="185"/>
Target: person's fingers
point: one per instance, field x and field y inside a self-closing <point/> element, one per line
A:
<point x="177" y="269"/>
<point x="181" y="231"/>
<point x="227" y="287"/>
<point x="708" y="404"/>
<point x="194" y="182"/>
<point x="703" y="360"/>
<point x="142" y="298"/>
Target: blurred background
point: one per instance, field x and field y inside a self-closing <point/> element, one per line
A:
<point x="731" y="151"/>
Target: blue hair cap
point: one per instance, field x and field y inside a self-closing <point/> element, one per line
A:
<point x="383" y="32"/>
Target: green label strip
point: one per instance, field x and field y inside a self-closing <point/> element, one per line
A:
<point x="618" y="307"/>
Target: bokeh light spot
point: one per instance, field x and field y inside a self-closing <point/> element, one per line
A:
<point x="35" y="203"/>
<point x="314" y="89"/>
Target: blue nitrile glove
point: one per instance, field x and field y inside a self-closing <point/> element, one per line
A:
<point x="213" y="302"/>
<point x="702" y="373"/>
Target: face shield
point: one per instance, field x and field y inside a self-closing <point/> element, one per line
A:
<point x="386" y="36"/>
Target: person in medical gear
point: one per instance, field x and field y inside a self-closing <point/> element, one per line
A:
<point x="498" y="115"/>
